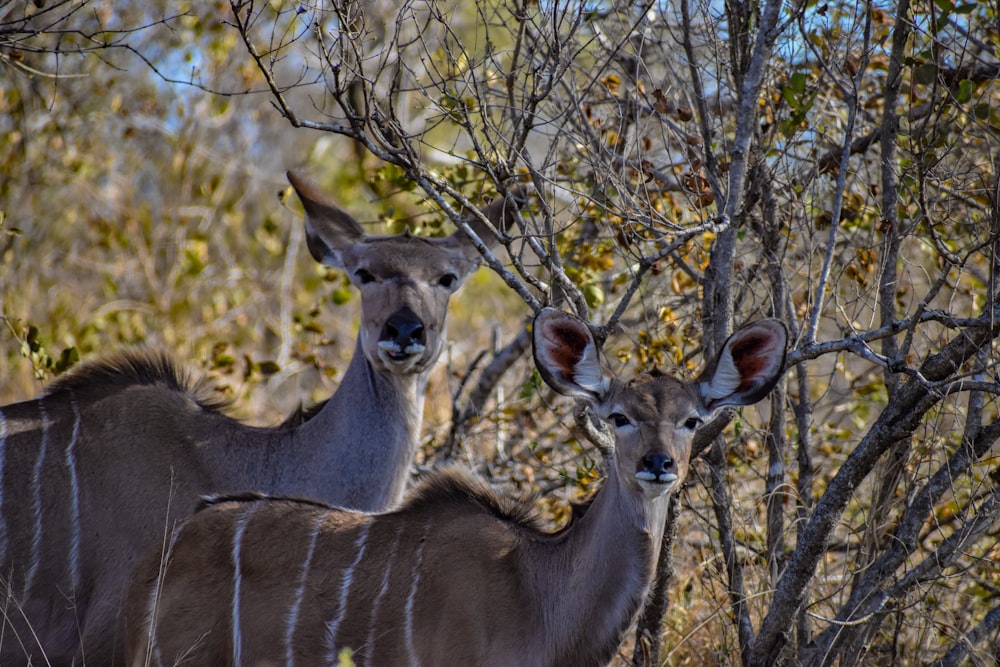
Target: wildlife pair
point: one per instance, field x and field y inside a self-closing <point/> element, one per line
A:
<point x="240" y="545"/>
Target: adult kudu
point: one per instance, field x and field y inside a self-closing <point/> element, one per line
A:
<point x="457" y="575"/>
<point x="101" y="467"/>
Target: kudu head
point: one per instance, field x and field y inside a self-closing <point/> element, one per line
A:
<point x="405" y="281"/>
<point x="655" y="416"/>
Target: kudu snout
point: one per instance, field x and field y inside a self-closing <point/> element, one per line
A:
<point x="657" y="468"/>
<point x="403" y="334"/>
<point x="658" y="464"/>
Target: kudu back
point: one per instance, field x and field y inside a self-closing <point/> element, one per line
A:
<point x="458" y="575"/>
<point x="102" y="467"/>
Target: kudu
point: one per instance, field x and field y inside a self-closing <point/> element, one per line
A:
<point x="457" y="575"/>
<point x="102" y="466"/>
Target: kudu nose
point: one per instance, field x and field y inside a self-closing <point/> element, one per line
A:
<point x="404" y="330"/>
<point x="657" y="467"/>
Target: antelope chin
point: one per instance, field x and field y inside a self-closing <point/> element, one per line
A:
<point x="401" y="360"/>
<point x="655" y="485"/>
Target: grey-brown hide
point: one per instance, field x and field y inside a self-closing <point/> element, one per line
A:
<point x="655" y="415"/>
<point x="457" y="575"/>
<point x="104" y="465"/>
<point x="405" y="281"/>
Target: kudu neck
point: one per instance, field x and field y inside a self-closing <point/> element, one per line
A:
<point x="596" y="585"/>
<point x="620" y="523"/>
<point x="362" y="441"/>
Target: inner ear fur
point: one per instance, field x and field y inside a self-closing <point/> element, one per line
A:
<point x="566" y="355"/>
<point x="748" y="367"/>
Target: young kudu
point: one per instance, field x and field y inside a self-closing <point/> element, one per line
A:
<point x="104" y="465"/>
<point x="457" y="575"/>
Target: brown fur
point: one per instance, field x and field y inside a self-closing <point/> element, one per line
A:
<point x="456" y="575"/>
<point x="104" y="465"/>
<point x="120" y="370"/>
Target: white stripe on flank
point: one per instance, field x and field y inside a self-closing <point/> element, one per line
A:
<point x="241" y="526"/>
<point x="36" y="489"/>
<point x="333" y="626"/>
<point x="411" y="648"/>
<point x="293" y="613"/>
<point x="377" y="602"/>
<point x="3" y="460"/>
<point x="74" y="489"/>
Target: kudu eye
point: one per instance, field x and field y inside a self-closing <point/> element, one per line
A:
<point x="619" y="420"/>
<point x="447" y="280"/>
<point x="364" y="276"/>
<point x="692" y="423"/>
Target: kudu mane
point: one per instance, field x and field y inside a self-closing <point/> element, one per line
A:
<point x="119" y="370"/>
<point x="148" y="367"/>
<point x="452" y="488"/>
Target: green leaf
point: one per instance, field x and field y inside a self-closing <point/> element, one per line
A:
<point x="31" y="339"/>
<point x="924" y="74"/>
<point x="341" y="295"/>
<point x="593" y="294"/>
<point x="67" y="359"/>
<point x="345" y="658"/>
<point x="965" y="90"/>
<point x="268" y="367"/>
<point x="531" y="385"/>
<point x="797" y="82"/>
<point x="792" y="93"/>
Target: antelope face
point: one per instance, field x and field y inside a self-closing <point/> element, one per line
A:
<point x="654" y="417"/>
<point x="405" y="281"/>
<point x="405" y="284"/>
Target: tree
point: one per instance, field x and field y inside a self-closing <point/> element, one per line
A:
<point x="833" y="165"/>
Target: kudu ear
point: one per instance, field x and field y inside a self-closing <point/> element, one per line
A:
<point x="501" y="212"/>
<point x="567" y="357"/>
<point x="750" y="364"/>
<point x="329" y="228"/>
